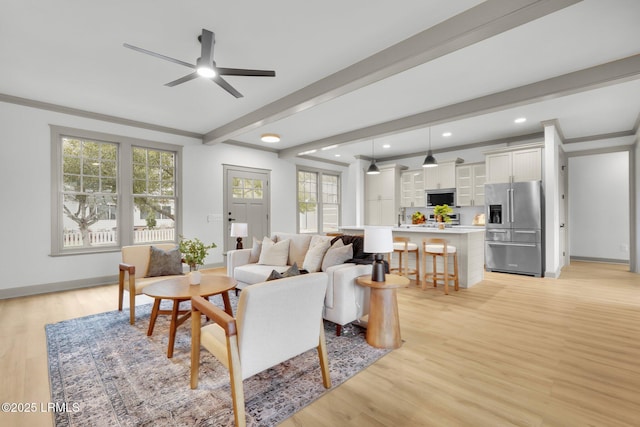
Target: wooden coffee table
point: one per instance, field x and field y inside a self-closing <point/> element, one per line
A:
<point x="383" y="327"/>
<point x="178" y="289"/>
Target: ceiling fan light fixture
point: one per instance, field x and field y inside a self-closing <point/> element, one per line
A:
<point x="204" y="70"/>
<point x="270" y="137"/>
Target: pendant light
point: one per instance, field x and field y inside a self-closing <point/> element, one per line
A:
<point x="429" y="161"/>
<point x="373" y="168"/>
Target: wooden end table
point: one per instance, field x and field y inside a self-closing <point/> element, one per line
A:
<point x="383" y="328"/>
<point x="178" y="289"/>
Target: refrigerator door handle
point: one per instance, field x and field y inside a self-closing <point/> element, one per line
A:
<point x="525" y="231"/>
<point x="527" y="245"/>
<point x="512" y="207"/>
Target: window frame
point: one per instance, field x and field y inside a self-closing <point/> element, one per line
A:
<point x="319" y="196"/>
<point x="124" y="182"/>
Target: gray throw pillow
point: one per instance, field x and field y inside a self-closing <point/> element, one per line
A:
<point x="292" y="271"/>
<point x="164" y="263"/>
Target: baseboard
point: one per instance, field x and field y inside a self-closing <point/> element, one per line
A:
<point x="604" y="260"/>
<point x="24" y="291"/>
<point x="45" y="288"/>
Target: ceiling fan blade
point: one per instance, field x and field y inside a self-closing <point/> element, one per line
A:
<point x="157" y="55"/>
<point x="243" y="72"/>
<point x="207" y="40"/>
<point x="182" y="79"/>
<point x="226" y="86"/>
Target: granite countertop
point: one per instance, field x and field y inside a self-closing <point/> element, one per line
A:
<point x="422" y="229"/>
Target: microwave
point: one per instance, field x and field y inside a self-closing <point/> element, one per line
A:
<point x="443" y="196"/>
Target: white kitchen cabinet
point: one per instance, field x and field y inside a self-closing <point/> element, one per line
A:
<point x="442" y="176"/>
<point x="382" y="196"/>
<point x="514" y="165"/>
<point x="412" y="189"/>
<point x="470" y="180"/>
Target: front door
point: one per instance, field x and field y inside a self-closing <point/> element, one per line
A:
<point x="247" y="199"/>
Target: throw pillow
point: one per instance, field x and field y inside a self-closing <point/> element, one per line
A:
<point x="292" y="271"/>
<point x="164" y="263"/>
<point x="274" y="253"/>
<point x="315" y="255"/>
<point x="337" y="255"/>
<point x="255" y="251"/>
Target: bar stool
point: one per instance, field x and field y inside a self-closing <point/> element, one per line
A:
<point x="402" y="246"/>
<point x="435" y="248"/>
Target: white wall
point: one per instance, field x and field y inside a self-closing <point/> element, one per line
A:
<point x="598" y="182"/>
<point x="26" y="199"/>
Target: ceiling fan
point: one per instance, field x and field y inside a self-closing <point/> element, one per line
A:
<point x="206" y="66"/>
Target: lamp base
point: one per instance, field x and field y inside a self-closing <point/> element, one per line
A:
<point x="239" y="243"/>
<point x="377" y="273"/>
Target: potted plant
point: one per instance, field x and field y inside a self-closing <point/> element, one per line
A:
<point x="194" y="251"/>
<point x="442" y="213"/>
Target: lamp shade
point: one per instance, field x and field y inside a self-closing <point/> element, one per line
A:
<point x="373" y="169"/>
<point x="239" y="229"/>
<point x="378" y="240"/>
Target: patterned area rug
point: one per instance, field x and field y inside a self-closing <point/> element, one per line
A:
<point x="109" y="373"/>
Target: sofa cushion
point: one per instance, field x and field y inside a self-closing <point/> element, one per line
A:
<point x="315" y="255"/>
<point x="255" y="273"/>
<point x="255" y="251"/>
<point x="298" y="246"/>
<point x="358" y="246"/>
<point x="164" y="263"/>
<point x="337" y="255"/>
<point x="274" y="253"/>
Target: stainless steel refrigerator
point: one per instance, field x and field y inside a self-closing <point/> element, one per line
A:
<point x="515" y="228"/>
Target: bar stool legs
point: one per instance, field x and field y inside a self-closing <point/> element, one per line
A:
<point x="435" y="248"/>
<point x="403" y="247"/>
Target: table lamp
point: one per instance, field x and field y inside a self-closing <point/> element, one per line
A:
<point x="239" y="230"/>
<point x="378" y="240"/>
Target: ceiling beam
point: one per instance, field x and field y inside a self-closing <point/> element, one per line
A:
<point x="481" y="22"/>
<point x="579" y="81"/>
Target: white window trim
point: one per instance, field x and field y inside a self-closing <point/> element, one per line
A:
<point x="320" y="202"/>
<point x="124" y="182"/>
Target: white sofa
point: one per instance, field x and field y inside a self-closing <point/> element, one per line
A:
<point x="345" y="301"/>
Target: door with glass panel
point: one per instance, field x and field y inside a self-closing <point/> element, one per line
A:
<point x="246" y="200"/>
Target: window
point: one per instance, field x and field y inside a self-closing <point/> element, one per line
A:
<point x="318" y="201"/>
<point x="111" y="191"/>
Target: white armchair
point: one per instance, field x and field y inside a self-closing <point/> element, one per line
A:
<point x="274" y="322"/>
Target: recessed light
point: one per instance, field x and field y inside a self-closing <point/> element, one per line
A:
<point x="270" y="137"/>
<point x="329" y="147"/>
<point x="520" y="120"/>
<point x="337" y="155"/>
<point x="447" y="134"/>
<point x="386" y="146"/>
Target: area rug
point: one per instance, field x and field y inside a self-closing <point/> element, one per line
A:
<point x="105" y="372"/>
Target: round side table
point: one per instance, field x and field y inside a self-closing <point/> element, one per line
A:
<point x="383" y="328"/>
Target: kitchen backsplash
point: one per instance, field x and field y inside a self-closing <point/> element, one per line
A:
<point x="466" y="213"/>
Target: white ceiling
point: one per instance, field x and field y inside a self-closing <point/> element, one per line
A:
<point x="69" y="53"/>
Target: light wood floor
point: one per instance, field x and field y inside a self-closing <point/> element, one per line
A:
<point x="512" y="350"/>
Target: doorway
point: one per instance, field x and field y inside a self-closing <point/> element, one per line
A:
<point x="246" y="199"/>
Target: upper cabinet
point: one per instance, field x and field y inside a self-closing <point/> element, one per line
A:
<point x="412" y="189"/>
<point x="382" y="193"/>
<point x="442" y="176"/>
<point x="470" y="180"/>
<point x="514" y="165"/>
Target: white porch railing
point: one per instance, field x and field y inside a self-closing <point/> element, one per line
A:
<point x="109" y="237"/>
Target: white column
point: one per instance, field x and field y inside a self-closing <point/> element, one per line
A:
<point x="551" y="192"/>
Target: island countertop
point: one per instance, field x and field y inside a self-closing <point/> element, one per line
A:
<point x="468" y="240"/>
<point x="423" y="229"/>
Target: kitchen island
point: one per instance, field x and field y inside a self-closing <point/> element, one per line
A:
<point x="469" y="243"/>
